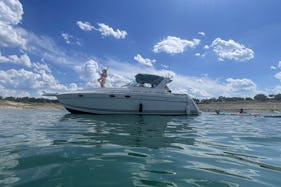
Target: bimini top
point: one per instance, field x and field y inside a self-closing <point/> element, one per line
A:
<point x="147" y="78"/>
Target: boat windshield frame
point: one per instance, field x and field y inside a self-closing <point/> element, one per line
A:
<point x="149" y="81"/>
<point x="134" y="84"/>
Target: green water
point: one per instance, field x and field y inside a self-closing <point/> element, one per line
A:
<point x="55" y="149"/>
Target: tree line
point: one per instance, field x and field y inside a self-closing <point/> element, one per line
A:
<point x="28" y="99"/>
<point x="258" y="97"/>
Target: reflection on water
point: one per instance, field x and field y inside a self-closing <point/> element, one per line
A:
<point x="134" y="131"/>
<point x="51" y="148"/>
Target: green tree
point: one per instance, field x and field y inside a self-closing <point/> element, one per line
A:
<point x="277" y="97"/>
<point x="260" y="97"/>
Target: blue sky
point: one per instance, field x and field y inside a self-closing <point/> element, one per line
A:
<point x="211" y="48"/>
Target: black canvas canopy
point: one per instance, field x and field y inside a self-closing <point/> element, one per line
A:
<point x="148" y="78"/>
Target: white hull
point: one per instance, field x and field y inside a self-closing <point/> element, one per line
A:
<point x="112" y="102"/>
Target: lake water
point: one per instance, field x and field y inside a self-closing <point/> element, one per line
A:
<point x="53" y="148"/>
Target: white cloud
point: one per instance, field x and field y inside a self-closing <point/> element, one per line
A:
<point x="144" y="61"/>
<point x="174" y="45"/>
<point x="12" y="36"/>
<point x="202" y="33"/>
<point x="66" y="37"/>
<point x="11" y="12"/>
<point x="203" y="87"/>
<point x="31" y="82"/>
<point x="105" y="30"/>
<point x="206" y="47"/>
<point x="278" y="76"/>
<point x="273" y="67"/>
<point x="38" y="67"/>
<point x="241" y="85"/>
<point x="276" y="89"/>
<point x="28" y="83"/>
<point x="89" y="72"/>
<point x="69" y="39"/>
<point x="25" y="61"/>
<point x="164" y="66"/>
<point x="14" y="59"/>
<point x="200" y="55"/>
<point x="85" y="26"/>
<point x="231" y="50"/>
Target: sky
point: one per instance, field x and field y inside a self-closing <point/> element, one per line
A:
<point x="210" y="48"/>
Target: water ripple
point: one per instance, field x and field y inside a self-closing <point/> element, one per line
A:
<point x="51" y="148"/>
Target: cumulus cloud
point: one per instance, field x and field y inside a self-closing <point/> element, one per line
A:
<point x="12" y="36"/>
<point x="85" y="26"/>
<point x="241" y="85"/>
<point x="203" y="87"/>
<point x="106" y="30"/>
<point x="174" y="45"/>
<point x="231" y="50"/>
<point x="28" y="83"/>
<point x="11" y="12"/>
<point x="89" y="72"/>
<point x="144" y="61"/>
<point x="31" y="80"/>
<point x="24" y="60"/>
<point x="276" y="89"/>
<point x="14" y="59"/>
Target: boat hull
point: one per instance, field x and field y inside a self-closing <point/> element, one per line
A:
<point x="128" y="103"/>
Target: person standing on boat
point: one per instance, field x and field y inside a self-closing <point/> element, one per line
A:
<point x="103" y="77"/>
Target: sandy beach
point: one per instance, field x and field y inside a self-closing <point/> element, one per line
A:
<point x="19" y="105"/>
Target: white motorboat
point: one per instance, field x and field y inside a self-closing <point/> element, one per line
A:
<point x="149" y="94"/>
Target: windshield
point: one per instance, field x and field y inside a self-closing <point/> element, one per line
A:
<point x="136" y="84"/>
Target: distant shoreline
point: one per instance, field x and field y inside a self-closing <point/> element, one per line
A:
<point x="228" y="106"/>
<point x="31" y="105"/>
<point x="247" y="106"/>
